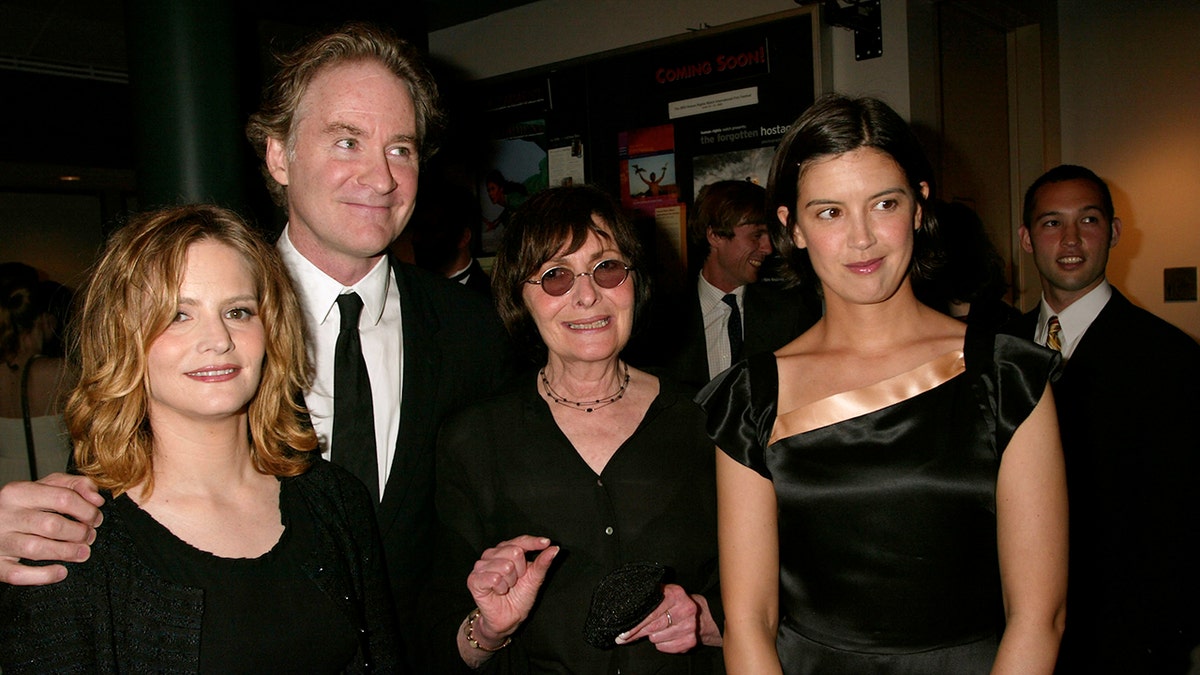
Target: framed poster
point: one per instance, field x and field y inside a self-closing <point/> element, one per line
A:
<point x="661" y="119"/>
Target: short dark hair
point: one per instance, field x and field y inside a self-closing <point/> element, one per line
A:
<point x="276" y="117"/>
<point x="22" y="303"/>
<point x="833" y="125"/>
<point x="552" y="219"/>
<point x="1059" y="174"/>
<point x="722" y="206"/>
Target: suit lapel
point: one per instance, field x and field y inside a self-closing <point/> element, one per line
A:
<point x="693" y="357"/>
<point x="1108" y="322"/>
<point x="421" y="360"/>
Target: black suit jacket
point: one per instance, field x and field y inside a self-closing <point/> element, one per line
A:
<point x="675" y="339"/>
<point x="1127" y="402"/>
<point x="478" y="280"/>
<point x="455" y="352"/>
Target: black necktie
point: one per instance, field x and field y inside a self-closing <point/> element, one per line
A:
<point x="735" y="328"/>
<point x="353" y="414"/>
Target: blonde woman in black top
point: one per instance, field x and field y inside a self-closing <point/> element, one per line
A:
<point x="227" y="545"/>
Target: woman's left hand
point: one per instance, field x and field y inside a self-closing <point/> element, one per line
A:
<point x="677" y="625"/>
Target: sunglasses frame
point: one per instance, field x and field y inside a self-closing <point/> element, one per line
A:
<point x="540" y="281"/>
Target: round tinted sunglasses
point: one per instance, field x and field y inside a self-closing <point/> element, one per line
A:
<point x="558" y="280"/>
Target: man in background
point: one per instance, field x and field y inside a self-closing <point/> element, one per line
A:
<point x="1127" y="396"/>
<point x="725" y="313"/>
<point x="344" y="127"/>
<point x="443" y="235"/>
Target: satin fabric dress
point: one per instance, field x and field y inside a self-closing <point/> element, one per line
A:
<point x="886" y="505"/>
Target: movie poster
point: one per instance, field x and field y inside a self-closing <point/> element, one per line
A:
<point x="518" y="169"/>
<point x="567" y="161"/>
<point x="751" y="164"/>
<point x="648" y="178"/>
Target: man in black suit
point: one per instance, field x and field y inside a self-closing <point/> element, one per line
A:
<point x="443" y="230"/>
<point x="1127" y="396"/>
<point x="343" y="129"/>
<point x="694" y="336"/>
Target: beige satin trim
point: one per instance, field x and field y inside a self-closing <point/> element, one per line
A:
<point x="877" y="396"/>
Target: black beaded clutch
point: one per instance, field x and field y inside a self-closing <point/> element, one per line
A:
<point x="621" y="600"/>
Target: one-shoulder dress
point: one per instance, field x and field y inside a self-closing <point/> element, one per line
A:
<point x="887" y="505"/>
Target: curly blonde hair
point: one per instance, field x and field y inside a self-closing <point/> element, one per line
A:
<point x="130" y="299"/>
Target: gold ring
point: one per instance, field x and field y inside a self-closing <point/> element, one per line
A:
<point x="669" y="621"/>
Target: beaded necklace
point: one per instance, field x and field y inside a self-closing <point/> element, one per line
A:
<point x="586" y="406"/>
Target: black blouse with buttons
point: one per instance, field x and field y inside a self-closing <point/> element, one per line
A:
<point x="505" y="469"/>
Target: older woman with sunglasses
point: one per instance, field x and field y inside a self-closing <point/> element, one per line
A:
<point x="581" y="467"/>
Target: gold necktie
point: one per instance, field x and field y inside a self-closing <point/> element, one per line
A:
<point x="1053" y="331"/>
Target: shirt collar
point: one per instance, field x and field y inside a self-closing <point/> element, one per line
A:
<point x="1077" y="316"/>
<point x="319" y="292"/>
<point x="711" y="296"/>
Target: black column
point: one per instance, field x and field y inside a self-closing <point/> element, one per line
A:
<point x="184" y="75"/>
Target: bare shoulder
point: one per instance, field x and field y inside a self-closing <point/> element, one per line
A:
<point x="942" y="333"/>
<point x="808" y="368"/>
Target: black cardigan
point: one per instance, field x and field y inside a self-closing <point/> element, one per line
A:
<point x="114" y="614"/>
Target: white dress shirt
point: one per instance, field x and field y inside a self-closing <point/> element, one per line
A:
<point x="461" y="279"/>
<point x="1074" y="319"/>
<point x="380" y="331"/>
<point x="716" y="323"/>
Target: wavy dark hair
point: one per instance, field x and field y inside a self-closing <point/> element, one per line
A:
<point x="970" y="268"/>
<point x="834" y="125"/>
<point x="549" y="221"/>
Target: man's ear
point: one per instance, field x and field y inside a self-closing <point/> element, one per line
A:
<point x="277" y="160"/>
<point x="713" y="238"/>
<point x="1116" y="232"/>
<point x="1026" y="242"/>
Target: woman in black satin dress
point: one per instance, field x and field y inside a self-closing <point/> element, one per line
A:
<point x="890" y="484"/>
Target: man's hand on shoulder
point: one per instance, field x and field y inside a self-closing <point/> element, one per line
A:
<point x="54" y="519"/>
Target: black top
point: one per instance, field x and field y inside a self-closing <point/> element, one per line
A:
<point x="258" y="612"/>
<point x="115" y="613"/>
<point x="886" y="498"/>
<point x="505" y="469"/>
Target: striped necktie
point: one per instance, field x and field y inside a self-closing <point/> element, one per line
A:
<point x="1053" y="334"/>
